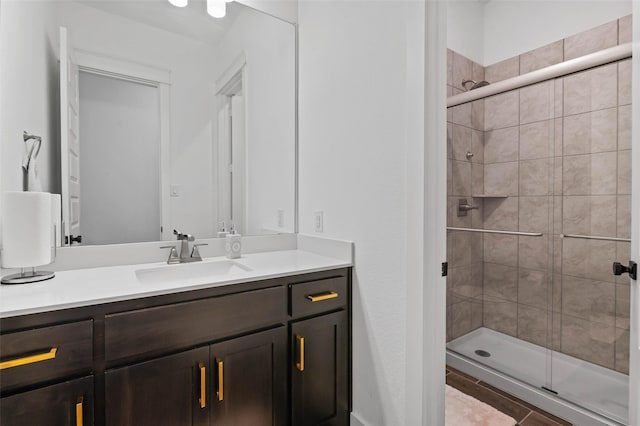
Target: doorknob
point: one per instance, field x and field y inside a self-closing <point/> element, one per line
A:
<point x="632" y="269"/>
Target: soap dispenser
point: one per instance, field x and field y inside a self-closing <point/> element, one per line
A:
<point x="233" y="245"/>
<point x="222" y="230"/>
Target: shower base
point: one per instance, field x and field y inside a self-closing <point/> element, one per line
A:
<point x="587" y="394"/>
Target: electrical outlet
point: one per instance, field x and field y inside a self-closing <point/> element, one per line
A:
<point x="280" y="218"/>
<point x="318" y="221"/>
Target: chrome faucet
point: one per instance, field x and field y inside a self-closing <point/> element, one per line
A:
<point x="184" y="256"/>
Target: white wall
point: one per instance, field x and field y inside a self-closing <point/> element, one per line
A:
<point x="283" y="9"/>
<point x="269" y="47"/>
<point x="465" y="28"/>
<point x="356" y="138"/>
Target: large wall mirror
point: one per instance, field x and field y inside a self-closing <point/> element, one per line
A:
<point x="152" y="117"/>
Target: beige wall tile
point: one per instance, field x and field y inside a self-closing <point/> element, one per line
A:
<point x="477" y="146"/>
<point x="450" y="140"/>
<point x="622" y="351"/>
<point x="461" y="319"/>
<point x="590" y="41"/>
<point x="542" y="57"/>
<point x="462" y="114"/>
<point x="462" y="70"/>
<point x="501" y="145"/>
<point x="477" y="181"/>
<point x="590" y="341"/>
<point x="589" y="215"/>
<point x="501" y="213"/>
<point x="535" y="177"/>
<point x="557" y="214"/>
<point x="500" y="281"/>
<point x="501" y="178"/>
<point x="477" y="248"/>
<point x="590" y="259"/>
<point x="624" y="216"/>
<point x="623" y="306"/>
<point x="477" y="71"/>
<point x="557" y="176"/>
<point x="502" y="110"/>
<point x="463" y="285"/>
<point x="502" y="70"/>
<point x="461" y="142"/>
<point x="624" y="127"/>
<point x="533" y="325"/>
<point x="590" y="174"/>
<point x="502" y="249"/>
<point x="500" y="315"/>
<point x="461" y="174"/>
<point x="449" y="67"/>
<point x="624" y="29"/>
<point x="534" y="288"/>
<point x="557" y="142"/>
<point x="477" y="114"/>
<point x="623" y="253"/>
<point x="536" y="102"/>
<point x="449" y="110"/>
<point x="558" y="97"/>
<point x="536" y="140"/>
<point x="556" y="293"/>
<point x="590" y="132"/>
<point x="533" y="252"/>
<point x="458" y="249"/>
<point x="449" y="177"/>
<point x="533" y="214"/>
<point x="624" y="172"/>
<point x="590" y="300"/>
<point x="590" y="90"/>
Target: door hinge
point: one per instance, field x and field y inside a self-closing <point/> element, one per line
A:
<point x="445" y="268"/>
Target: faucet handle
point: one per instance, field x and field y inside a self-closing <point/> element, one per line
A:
<point x="195" y="253"/>
<point x="182" y="236"/>
<point x="173" y="254"/>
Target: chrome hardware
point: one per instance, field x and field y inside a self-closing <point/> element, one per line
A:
<point x="595" y="237"/>
<point x="464" y="207"/>
<point x="184" y="246"/>
<point x="173" y="255"/>
<point x="469" y="155"/>
<point x="195" y="253"/>
<point x="495" y="231"/>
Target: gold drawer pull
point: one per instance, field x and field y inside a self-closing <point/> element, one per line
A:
<point x="51" y="354"/>
<point x="300" y="363"/>
<point x="220" y="379"/>
<point x="203" y="386"/>
<point x="79" y="413"/>
<point x="322" y="296"/>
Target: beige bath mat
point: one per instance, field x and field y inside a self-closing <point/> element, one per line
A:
<point x="464" y="410"/>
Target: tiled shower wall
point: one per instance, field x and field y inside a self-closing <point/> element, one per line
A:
<point x="560" y="152"/>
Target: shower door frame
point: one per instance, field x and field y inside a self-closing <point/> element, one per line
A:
<point x="435" y="128"/>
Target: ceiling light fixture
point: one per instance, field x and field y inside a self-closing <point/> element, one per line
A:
<point x="217" y="8"/>
<point x="179" y="3"/>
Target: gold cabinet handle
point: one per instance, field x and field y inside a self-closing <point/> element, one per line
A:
<point x="51" y="354"/>
<point x="300" y="363"/>
<point x="203" y="386"/>
<point x="322" y="296"/>
<point x="79" y="413"/>
<point x="220" y="379"/>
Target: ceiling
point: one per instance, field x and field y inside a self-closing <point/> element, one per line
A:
<point x="191" y="21"/>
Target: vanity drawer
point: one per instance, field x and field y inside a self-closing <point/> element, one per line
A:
<point x="318" y="296"/>
<point x="161" y="329"/>
<point x="44" y="354"/>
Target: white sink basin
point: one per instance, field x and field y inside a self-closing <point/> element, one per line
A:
<point x="186" y="273"/>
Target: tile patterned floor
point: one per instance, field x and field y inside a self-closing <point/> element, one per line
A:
<point x="524" y="413"/>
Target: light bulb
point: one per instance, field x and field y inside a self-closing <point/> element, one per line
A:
<point x="179" y="3"/>
<point x="217" y="8"/>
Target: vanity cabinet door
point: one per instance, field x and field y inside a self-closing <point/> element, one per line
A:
<point x="167" y="391"/>
<point x="319" y="371"/>
<point x="64" y="404"/>
<point x="249" y="377"/>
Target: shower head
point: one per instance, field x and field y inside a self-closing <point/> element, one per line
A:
<point x="475" y="85"/>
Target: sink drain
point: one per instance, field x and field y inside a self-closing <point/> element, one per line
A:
<point x="482" y="353"/>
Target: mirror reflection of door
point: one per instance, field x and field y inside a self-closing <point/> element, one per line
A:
<point x="119" y="161"/>
<point x="232" y="154"/>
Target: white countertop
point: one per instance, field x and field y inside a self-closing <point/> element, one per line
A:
<point x="84" y="287"/>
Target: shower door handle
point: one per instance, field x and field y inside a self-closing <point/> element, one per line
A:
<point x="632" y="269"/>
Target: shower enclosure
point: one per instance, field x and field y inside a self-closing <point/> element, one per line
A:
<point x="539" y="201"/>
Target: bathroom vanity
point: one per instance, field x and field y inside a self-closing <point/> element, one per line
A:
<point x="261" y="347"/>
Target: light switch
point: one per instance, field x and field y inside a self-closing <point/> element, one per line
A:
<point x="175" y="190"/>
<point x="318" y="221"/>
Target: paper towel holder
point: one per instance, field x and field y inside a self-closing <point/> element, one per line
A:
<point x="25" y="276"/>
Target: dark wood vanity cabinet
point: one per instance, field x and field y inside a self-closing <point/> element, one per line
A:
<point x="228" y="355"/>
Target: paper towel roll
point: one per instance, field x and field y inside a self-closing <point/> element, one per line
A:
<point x="56" y="219"/>
<point x="26" y="229"/>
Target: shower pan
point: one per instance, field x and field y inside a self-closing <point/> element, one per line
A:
<point x="533" y="305"/>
